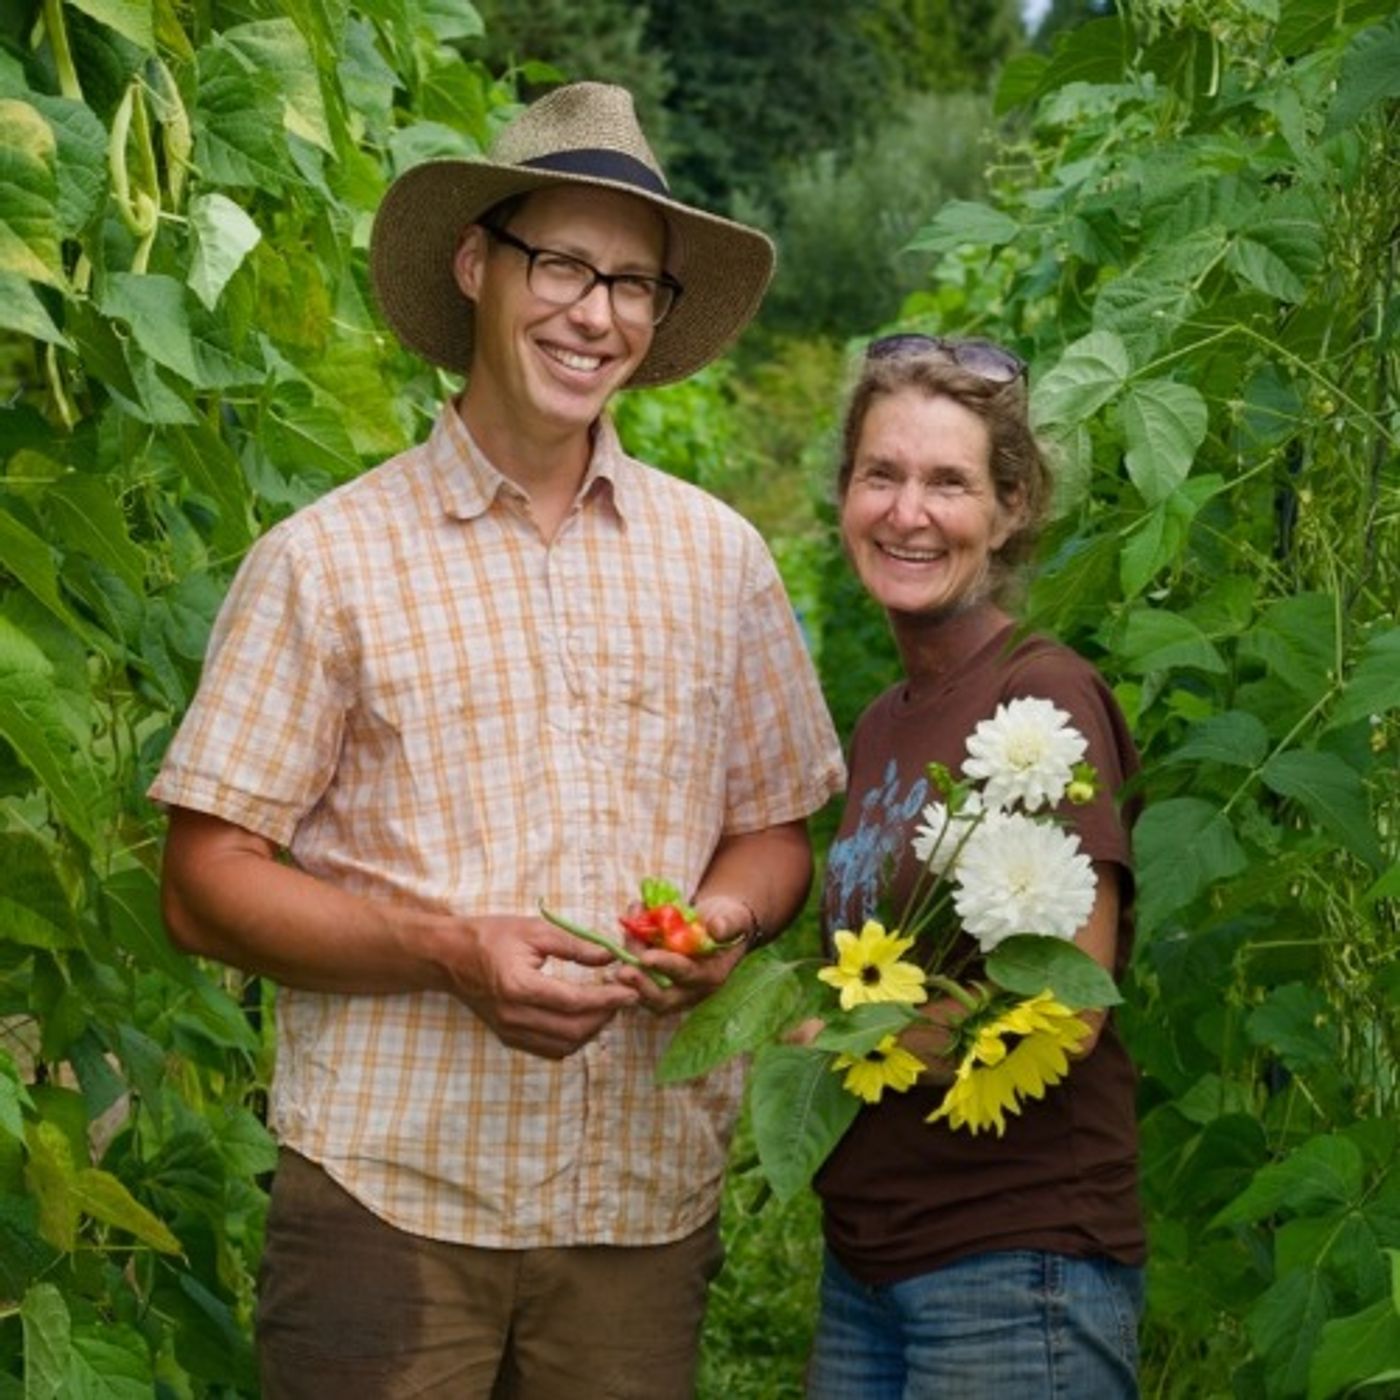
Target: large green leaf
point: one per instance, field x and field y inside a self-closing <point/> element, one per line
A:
<point x="81" y="160"/>
<point x="961" y="222"/>
<point x="1278" y="256"/>
<point x="1164" y="423"/>
<point x="1322" y="1173"/>
<point x="132" y="19"/>
<point x="1156" y="640"/>
<point x="102" y="1196"/>
<point x="239" y="137"/>
<point x="48" y="1342"/>
<point x="182" y="337"/>
<point x="1090" y="372"/>
<point x="31" y="721"/>
<point x="89" y="518"/>
<point x="1144" y="312"/>
<point x="1182" y="845"/>
<point x="109" y="1362"/>
<point x="34" y="909"/>
<point x="21" y="310"/>
<point x="24" y="1254"/>
<point x="29" y="221"/>
<point x="1370" y="74"/>
<point x="1285" y="1324"/>
<point x="276" y="46"/>
<point x="1332" y="793"/>
<point x="859" y="1030"/>
<point x="215" y="473"/>
<point x="1357" y="1349"/>
<point x="1236" y="737"/>
<point x="223" y="236"/>
<point x="49" y="1176"/>
<point x="1096" y="52"/>
<point x="1296" y="1023"/>
<point x="301" y="435"/>
<point x="1297" y="639"/>
<point x="1029" y="963"/>
<point x="800" y="1112"/>
<point x="1373" y="688"/>
<point x="760" y="997"/>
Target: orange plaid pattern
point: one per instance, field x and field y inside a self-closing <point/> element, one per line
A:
<point x="425" y="703"/>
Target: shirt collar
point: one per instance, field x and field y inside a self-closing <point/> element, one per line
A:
<point x="468" y="483"/>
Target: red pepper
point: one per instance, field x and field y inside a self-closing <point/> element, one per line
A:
<point x="669" y="926"/>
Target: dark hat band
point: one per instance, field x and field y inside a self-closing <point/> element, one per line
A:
<point x="600" y="164"/>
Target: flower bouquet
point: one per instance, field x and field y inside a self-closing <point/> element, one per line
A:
<point x="999" y="880"/>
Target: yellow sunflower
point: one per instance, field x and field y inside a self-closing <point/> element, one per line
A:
<point x="868" y="968"/>
<point x="994" y="1078"/>
<point x="888" y="1066"/>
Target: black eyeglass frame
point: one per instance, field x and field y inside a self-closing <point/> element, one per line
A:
<point x="665" y="282"/>
<point x="974" y="355"/>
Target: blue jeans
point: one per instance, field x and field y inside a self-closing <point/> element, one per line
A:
<point x="1022" y="1323"/>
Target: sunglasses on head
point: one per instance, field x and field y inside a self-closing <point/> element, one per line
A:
<point x="983" y="358"/>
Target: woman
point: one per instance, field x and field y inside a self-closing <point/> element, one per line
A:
<point x="963" y="1265"/>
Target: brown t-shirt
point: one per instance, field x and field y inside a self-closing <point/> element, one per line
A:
<point x="902" y="1196"/>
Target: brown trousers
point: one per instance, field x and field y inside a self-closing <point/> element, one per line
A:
<point x="351" y="1308"/>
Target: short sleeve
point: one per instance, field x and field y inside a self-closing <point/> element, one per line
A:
<point x="784" y="760"/>
<point x="260" y="741"/>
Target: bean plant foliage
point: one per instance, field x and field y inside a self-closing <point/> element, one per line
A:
<point x="1190" y="233"/>
<point x="1195" y="241"/>
<point x="189" y="354"/>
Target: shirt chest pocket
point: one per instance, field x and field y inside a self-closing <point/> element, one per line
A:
<point x="661" y="711"/>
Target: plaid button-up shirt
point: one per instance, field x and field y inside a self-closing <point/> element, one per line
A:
<point x="425" y="703"/>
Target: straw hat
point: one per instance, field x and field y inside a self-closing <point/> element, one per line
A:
<point x="583" y="134"/>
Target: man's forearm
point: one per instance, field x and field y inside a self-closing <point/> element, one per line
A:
<point x="770" y="871"/>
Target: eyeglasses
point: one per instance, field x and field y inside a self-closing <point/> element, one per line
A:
<point x="984" y="358"/>
<point x="563" y="280"/>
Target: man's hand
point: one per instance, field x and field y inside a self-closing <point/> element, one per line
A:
<point x="499" y="965"/>
<point x="728" y="921"/>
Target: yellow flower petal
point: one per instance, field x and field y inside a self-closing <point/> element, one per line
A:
<point x="888" y="1066"/>
<point x="868" y="969"/>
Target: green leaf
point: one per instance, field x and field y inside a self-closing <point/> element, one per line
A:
<point x="1143" y="312"/>
<point x="1157" y="640"/>
<point x="1020" y="81"/>
<point x="1370" y="74"/>
<point x="48" y="1342"/>
<point x="800" y="1112"/>
<point x="24" y="1254"/>
<point x="89" y="518"/>
<point x="49" y="1175"/>
<point x="102" y="1196"/>
<point x="1387" y="887"/>
<point x="1297" y="639"/>
<point x="1278" y="256"/>
<point x="1357" y="1349"/>
<point x="1322" y="1173"/>
<point x="80" y="161"/>
<point x="213" y="471"/>
<point x="1091" y="371"/>
<point x="14" y="1097"/>
<point x="184" y="339"/>
<point x="110" y="1362"/>
<point x="34" y="910"/>
<point x="32" y="723"/>
<point x="223" y="236"/>
<point x="276" y="46"/>
<point x="1029" y="963"/>
<point x="1182" y="845"/>
<point x="1295" y="1022"/>
<point x="861" y="1029"/>
<point x="301" y="435"/>
<point x="1333" y="795"/>
<point x="28" y="557"/>
<point x="758" y="1000"/>
<point x="1096" y="52"/>
<point x="239" y="138"/>
<point x="132" y="19"/>
<point x="29" y="222"/>
<point x="131" y="908"/>
<point x="1373" y="688"/>
<point x="961" y="222"/>
<point x="1165" y="424"/>
<point x="451" y="19"/>
<point x="1236" y="738"/>
<point x="1285" y="1324"/>
<point x="22" y="311"/>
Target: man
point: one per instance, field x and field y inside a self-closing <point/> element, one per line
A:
<point x="507" y="666"/>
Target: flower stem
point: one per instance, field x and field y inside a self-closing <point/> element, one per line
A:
<point x="601" y="941"/>
<point x="956" y="990"/>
